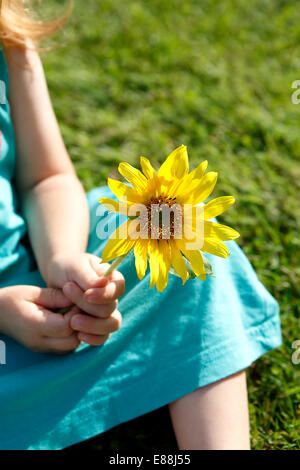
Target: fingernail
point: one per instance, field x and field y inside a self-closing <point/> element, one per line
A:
<point x="76" y="322"/>
<point x="91" y="298"/>
<point x="68" y="288"/>
<point x="92" y="295"/>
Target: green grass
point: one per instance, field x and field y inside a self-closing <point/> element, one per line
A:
<point x="142" y="77"/>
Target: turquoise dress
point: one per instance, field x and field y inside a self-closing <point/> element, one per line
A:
<point x="169" y="343"/>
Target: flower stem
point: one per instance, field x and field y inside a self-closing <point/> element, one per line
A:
<point x="115" y="264"/>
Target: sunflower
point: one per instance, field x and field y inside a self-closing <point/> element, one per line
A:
<point x="149" y="199"/>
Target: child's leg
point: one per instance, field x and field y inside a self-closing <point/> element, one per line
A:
<point x="214" y="417"/>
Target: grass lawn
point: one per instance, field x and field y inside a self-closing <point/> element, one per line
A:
<point x="142" y="77"/>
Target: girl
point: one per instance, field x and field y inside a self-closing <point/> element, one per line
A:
<point x="187" y="347"/>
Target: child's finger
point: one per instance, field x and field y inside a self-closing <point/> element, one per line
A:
<point x="70" y="314"/>
<point x="85" y="276"/>
<point x="93" y="340"/>
<point x="49" y="297"/>
<point x="99" y="268"/>
<point x="116" y="276"/>
<point x="75" y="294"/>
<point x="97" y="326"/>
<point x="62" y="345"/>
<point x="112" y="291"/>
<point x="52" y="324"/>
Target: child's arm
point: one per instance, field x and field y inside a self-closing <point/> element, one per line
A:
<point x="54" y="203"/>
<point x="52" y="197"/>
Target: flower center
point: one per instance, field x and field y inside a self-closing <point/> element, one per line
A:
<point x="162" y="219"/>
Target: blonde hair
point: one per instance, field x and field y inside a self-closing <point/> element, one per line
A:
<point x="18" y="26"/>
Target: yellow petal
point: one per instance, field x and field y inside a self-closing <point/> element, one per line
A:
<point x="118" y="244"/>
<point x="196" y="260"/>
<point x="153" y="261"/>
<point x="219" y="231"/>
<point x="147" y="168"/>
<point x="178" y="262"/>
<point x="123" y="191"/>
<point x="164" y="265"/>
<point x="203" y="188"/>
<point x="176" y="164"/>
<point x="198" y="172"/>
<point x="191" y="180"/>
<point x="134" y="176"/>
<point x="215" y="247"/>
<point x="154" y="188"/>
<point x="140" y="253"/>
<point x="217" y="206"/>
<point x="193" y="227"/>
<point x="114" y="206"/>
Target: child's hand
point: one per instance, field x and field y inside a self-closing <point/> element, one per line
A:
<point x="79" y="275"/>
<point x="26" y="316"/>
<point x="83" y="268"/>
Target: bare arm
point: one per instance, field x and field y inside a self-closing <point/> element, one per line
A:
<point x="53" y="200"/>
<point x="57" y="214"/>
